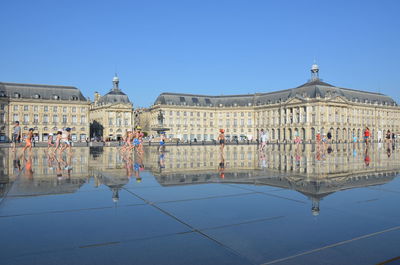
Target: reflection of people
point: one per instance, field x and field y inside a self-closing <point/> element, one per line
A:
<point x="28" y="166"/>
<point x="262" y="160"/>
<point x="221" y="138"/>
<point x="221" y="165"/>
<point x="367" y="159"/>
<point x="388" y="151"/>
<point x="17" y="164"/>
<point x="161" y="159"/>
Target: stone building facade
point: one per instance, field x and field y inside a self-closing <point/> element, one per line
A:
<point x="111" y="115"/>
<point x="310" y="108"/>
<point x="46" y="108"/>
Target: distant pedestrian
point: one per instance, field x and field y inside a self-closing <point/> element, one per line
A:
<point x="16" y="136"/>
<point x="221" y="138"/>
<point x="329" y="135"/>
<point x="263" y="138"/>
<point x="367" y="136"/>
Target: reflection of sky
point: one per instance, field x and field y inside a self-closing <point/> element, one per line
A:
<point x="97" y="200"/>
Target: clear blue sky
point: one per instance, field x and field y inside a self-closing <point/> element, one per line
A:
<point x="200" y="46"/>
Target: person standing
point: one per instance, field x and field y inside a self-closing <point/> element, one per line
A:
<point x="263" y="138"/>
<point x="366" y="135"/>
<point x="318" y="137"/>
<point x="329" y="135"/>
<point x="388" y="136"/>
<point x="16" y="137"/>
<point x="221" y="138"/>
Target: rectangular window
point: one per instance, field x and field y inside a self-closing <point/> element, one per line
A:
<point x="55" y="109"/>
<point x="73" y="109"/>
<point x="15" y="107"/>
<point x="64" y="109"/>
<point x="110" y="121"/>
<point x="26" y="108"/>
<point x="83" y="119"/>
<point x="126" y="122"/>
<point x="242" y="122"/>
<point x="74" y="119"/>
<point x="35" y="108"/>
<point x="2" y="106"/>
<point x="55" y="118"/>
<point x="45" y="108"/>
<point x="45" y="118"/>
<point x="15" y="117"/>
<point x="64" y="117"/>
<point x="2" y="118"/>
<point x="26" y="118"/>
<point x="36" y="118"/>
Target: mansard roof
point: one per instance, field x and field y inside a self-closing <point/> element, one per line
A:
<point x="312" y="89"/>
<point x="35" y="91"/>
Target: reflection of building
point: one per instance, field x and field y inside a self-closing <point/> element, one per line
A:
<point x="45" y="108"/>
<point x="309" y="108"/>
<point x="111" y="115"/>
<point x="51" y="174"/>
<point x="310" y="171"/>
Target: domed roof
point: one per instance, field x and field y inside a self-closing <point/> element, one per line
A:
<point x="114" y="97"/>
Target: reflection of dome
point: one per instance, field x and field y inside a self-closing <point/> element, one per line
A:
<point x="315" y="211"/>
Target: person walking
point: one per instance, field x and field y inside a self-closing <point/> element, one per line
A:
<point x="66" y="139"/>
<point x="16" y="136"/>
<point x="28" y="140"/>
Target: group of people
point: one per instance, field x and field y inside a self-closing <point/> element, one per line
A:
<point x="134" y="140"/>
<point x="61" y="141"/>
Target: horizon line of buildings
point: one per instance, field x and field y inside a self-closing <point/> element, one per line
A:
<point x="313" y="107"/>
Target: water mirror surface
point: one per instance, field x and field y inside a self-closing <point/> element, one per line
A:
<point x="305" y="204"/>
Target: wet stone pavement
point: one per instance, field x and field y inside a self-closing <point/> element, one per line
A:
<point x="288" y="204"/>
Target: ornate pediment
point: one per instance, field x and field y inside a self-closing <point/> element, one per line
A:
<point x="294" y="100"/>
<point x="340" y="99"/>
